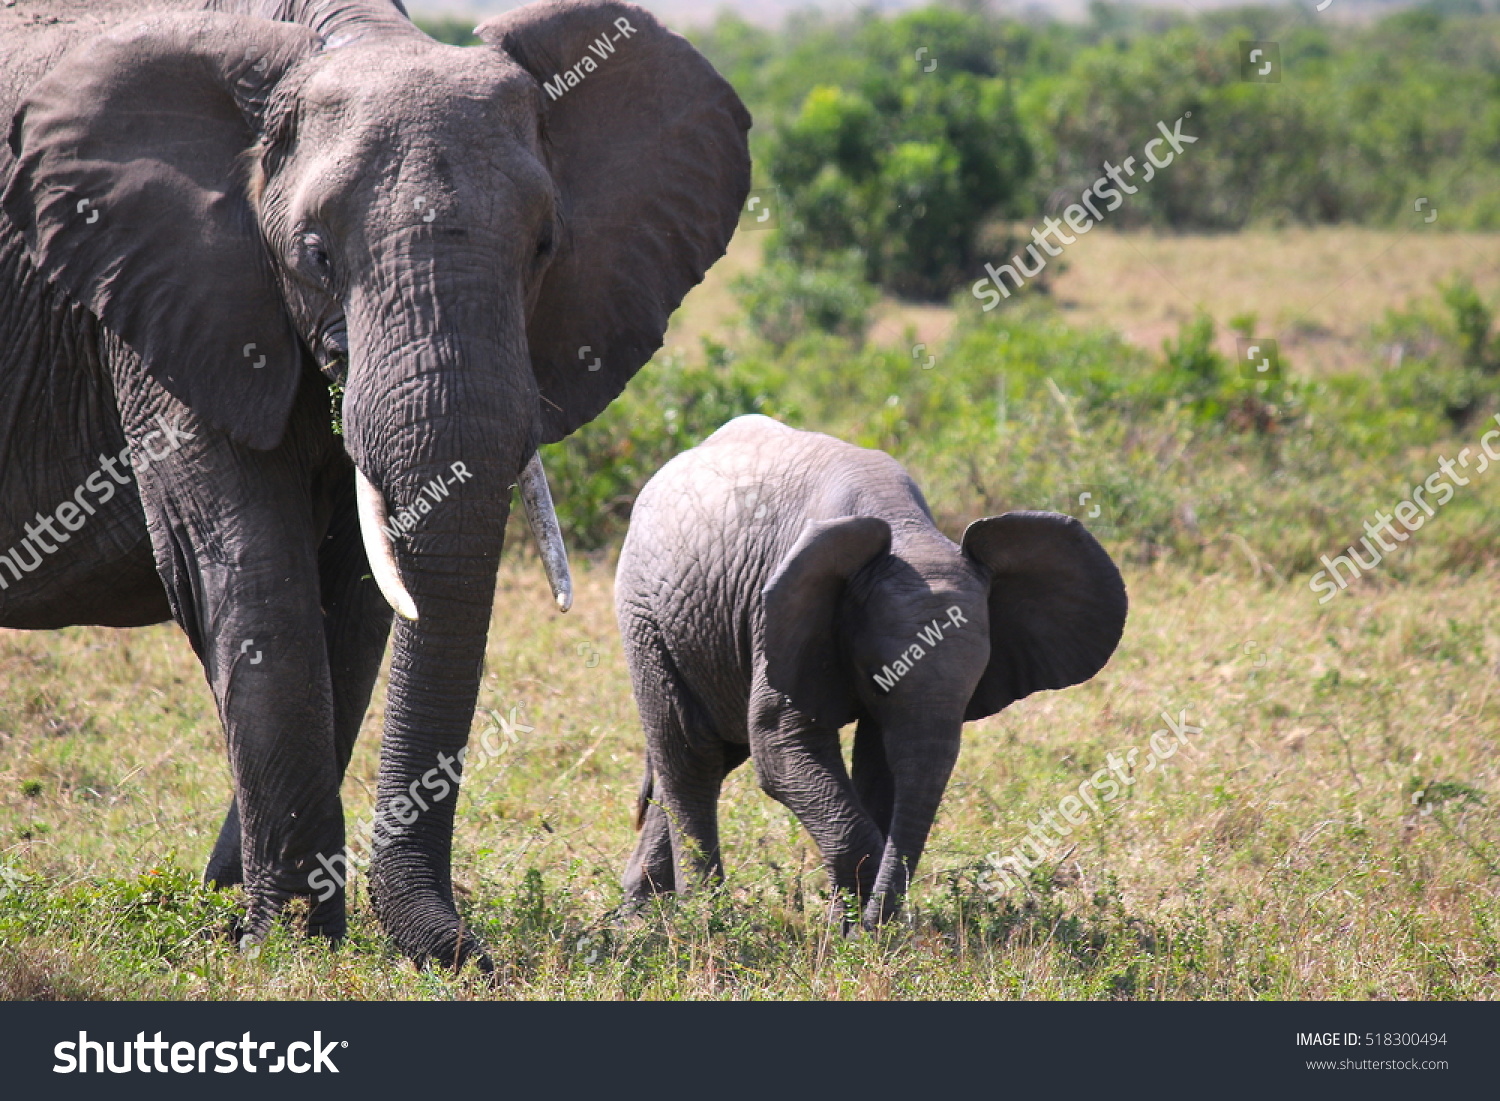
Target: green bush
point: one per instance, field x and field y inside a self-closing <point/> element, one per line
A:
<point x="1440" y="355"/>
<point x="783" y="301"/>
<point x="1018" y="409"/>
<point x="1472" y="320"/>
<point x="905" y="162"/>
<point x="874" y="151"/>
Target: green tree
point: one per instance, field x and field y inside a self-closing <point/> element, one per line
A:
<point x="905" y="161"/>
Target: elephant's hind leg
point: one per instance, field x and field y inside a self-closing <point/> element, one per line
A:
<point x="873" y="782"/>
<point x="679" y="842"/>
<point x="225" y="867"/>
<point x="650" y="870"/>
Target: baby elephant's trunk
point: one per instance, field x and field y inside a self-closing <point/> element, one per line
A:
<point x="920" y="767"/>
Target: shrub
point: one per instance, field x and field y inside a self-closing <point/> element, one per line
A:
<point x="1439" y="355"/>
<point x="783" y="301"/>
<point x="907" y="160"/>
<point x="1471" y="320"/>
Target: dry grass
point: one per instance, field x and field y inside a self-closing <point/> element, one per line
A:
<point x="1318" y="292"/>
<point x="1280" y="854"/>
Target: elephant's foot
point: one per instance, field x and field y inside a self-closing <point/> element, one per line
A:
<point x="854" y="874"/>
<point x="252" y="928"/>
<point x="642" y="899"/>
<point x="646" y="879"/>
<point x="444" y="943"/>
<point x="882" y="902"/>
<point x="225" y="867"/>
<point x="268" y="892"/>
<point x="327" y="918"/>
<point x="852" y="915"/>
<point x="880" y="909"/>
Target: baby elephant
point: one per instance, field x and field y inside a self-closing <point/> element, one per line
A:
<point x="776" y="585"/>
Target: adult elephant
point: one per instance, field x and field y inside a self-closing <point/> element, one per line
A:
<point x="209" y="215"/>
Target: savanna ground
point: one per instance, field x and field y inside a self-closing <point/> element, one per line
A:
<point x="1330" y="833"/>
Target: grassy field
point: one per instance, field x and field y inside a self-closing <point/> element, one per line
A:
<point x="1330" y="833"/>
<point x="1320" y="292"/>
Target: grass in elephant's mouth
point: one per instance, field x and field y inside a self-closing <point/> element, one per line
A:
<point x="1282" y="856"/>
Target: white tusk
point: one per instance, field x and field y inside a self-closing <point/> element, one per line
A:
<point x="536" y="498"/>
<point x="378" y="547"/>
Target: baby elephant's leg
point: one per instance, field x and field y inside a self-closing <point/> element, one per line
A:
<point x="679" y="844"/>
<point x="873" y="782"/>
<point x="689" y="802"/>
<point x="799" y="765"/>
<point x="650" y="870"/>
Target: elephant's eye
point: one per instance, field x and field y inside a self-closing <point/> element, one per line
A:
<point x="314" y="255"/>
<point x="545" y="243"/>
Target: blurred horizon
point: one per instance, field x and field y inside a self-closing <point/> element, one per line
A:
<point x="772" y="13"/>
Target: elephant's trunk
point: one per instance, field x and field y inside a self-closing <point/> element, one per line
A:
<point x="440" y="416"/>
<point x="920" y="770"/>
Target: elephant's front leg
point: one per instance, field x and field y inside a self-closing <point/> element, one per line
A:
<point x="236" y="533"/>
<point x="356" y="627"/>
<point x="799" y="765"/>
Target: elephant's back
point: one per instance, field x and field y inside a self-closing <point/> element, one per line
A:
<point x="691" y="570"/>
<point x="710" y="529"/>
<point x="721" y="516"/>
<point x="715" y="517"/>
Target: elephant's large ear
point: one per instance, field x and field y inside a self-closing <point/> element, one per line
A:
<point x="1057" y="605"/>
<point x="647" y="145"/>
<point x="131" y="188"/>
<point x="803" y="659"/>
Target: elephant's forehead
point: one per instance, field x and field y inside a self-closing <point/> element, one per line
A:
<point x="418" y="85"/>
<point x="927" y="583"/>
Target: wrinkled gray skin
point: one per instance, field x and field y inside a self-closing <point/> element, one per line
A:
<point x="426" y="223"/>
<point x="768" y="576"/>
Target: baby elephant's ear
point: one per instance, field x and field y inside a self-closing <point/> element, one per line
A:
<point x="801" y="624"/>
<point x="1057" y="605"/>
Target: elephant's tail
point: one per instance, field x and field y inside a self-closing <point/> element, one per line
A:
<point x="643" y="800"/>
